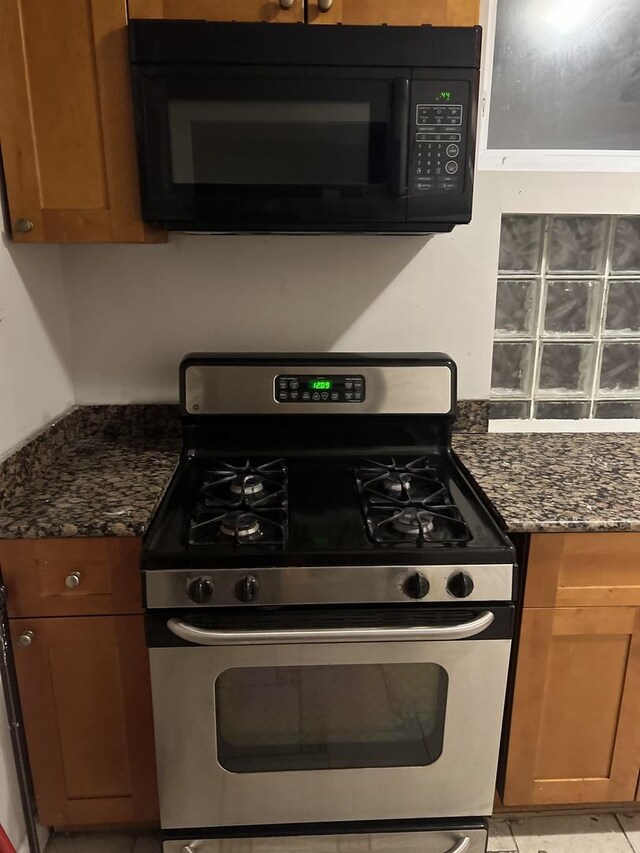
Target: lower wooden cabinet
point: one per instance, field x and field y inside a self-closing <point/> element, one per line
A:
<point x="86" y="700"/>
<point x="575" y="733"/>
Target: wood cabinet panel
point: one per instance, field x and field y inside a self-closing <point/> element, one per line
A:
<point x="574" y="733"/>
<point x="442" y="13"/>
<point x="583" y="570"/>
<point x="86" y="700"/>
<point x="218" y="10"/>
<point x="35" y="570"/>
<point x="66" y="122"/>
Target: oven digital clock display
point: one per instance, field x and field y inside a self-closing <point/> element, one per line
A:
<point x="296" y="388"/>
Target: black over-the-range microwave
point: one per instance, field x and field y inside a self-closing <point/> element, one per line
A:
<point x="283" y="128"/>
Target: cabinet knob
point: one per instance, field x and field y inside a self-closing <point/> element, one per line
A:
<point x="25" y="639"/>
<point x="23" y="226"/>
<point x="287" y="4"/>
<point x="73" y="580"/>
<point x="325" y="5"/>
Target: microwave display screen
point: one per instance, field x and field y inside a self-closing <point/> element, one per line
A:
<point x="295" y="143"/>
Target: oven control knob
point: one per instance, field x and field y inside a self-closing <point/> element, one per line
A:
<point x="247" y="588"/>
<point x="460" y="585"/>
<point x="416" y="586"/>
<point x="200" y="590"/>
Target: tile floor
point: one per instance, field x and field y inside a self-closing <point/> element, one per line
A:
<point x="604" y="833"/>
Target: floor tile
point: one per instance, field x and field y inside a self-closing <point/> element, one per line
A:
<point x="561" y="834"/>
<point x="90" y="842"/>
<point x="500" y="838"/>
<point x="147" y="844"/>
<point x="631" y="825"/>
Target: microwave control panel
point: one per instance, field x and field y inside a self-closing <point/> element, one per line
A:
<point x="314" y="388"/>
<point x="438" y="128"/>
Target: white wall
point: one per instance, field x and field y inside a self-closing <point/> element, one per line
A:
<point x="135" y="311"/>
<point x="35" y="381"/>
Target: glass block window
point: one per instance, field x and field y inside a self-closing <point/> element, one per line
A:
<point x="566" y="76"/>
<point x="567" y="330"/>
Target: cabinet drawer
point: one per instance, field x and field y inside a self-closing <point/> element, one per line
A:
<point x="71" y="577"/>
<point x="583" y="570"/>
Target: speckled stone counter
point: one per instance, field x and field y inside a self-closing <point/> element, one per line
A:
<point x="99" y="471"/>
<point x="559" y="482"/>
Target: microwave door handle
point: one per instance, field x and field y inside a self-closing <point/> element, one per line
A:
<point x="212" y="637"/>
<point x="399" y="136"/>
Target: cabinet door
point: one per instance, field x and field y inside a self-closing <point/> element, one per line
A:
<point x="439" y="13"/>
<point x="86" y="700"/>
<point x="66" y="123"/>
<point x="274" y="11"/>
<point x="574" y="732"/>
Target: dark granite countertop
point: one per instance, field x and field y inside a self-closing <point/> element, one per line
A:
<point x="560" y="482"/>
<point x="99" y="471"/>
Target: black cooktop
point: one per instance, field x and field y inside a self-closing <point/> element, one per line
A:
<point x="307" y="509"/>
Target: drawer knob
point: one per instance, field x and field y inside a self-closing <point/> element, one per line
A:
<point x="25" y="639"/>
<point x="325" y="5"/>
<point x="286" y="4"/>
<point x="73" y="580"/>
<point x="24" y="226"/>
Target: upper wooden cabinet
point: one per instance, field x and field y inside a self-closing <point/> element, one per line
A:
<point x="272" y="11"/>
<point x="66" y="123"/>
<point x="439" y="13"/>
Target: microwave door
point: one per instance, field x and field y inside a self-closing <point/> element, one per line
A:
<point x="259" y="150"/>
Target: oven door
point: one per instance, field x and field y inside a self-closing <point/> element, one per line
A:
<point x="330" y="723"/>
<point x="240" y="148"/>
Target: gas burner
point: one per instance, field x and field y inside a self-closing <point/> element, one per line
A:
<point x="245" y="485"/>
<point x="243" y="526"/>
<point x="389" y="525"/>
<point x="208" y="527"/>
<point x="248" y="486"/>
<point x="381" y="482"/>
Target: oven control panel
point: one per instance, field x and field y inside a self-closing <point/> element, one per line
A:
<point x="440" y="118"/>
<point x="316" y="388"/>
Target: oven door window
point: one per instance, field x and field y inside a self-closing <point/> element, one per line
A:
<point x="273" y="719"/>
<point x="253" y="145"/>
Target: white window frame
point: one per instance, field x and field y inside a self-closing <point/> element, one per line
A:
<point x="534" y="160"/>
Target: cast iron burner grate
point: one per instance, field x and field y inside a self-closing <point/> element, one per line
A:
<point x="239" y="528"/>
<point x="244" y="485"/>
<point x="241" y="503"/>
<point x="384" y="483"/>
<point x="413" y="526"/>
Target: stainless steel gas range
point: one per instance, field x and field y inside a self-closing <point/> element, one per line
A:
<point x="329" y="612"/>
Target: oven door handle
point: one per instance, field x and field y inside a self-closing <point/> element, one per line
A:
<point x="208" y="637"/>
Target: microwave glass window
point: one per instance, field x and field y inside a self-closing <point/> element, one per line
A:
<point x="295" y="143"/>
<point x="272" y="719"/>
